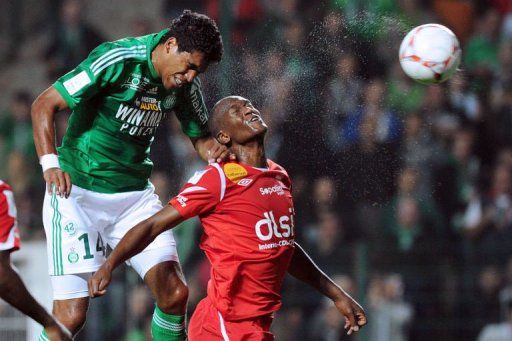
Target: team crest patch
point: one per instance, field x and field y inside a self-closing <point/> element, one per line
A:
<point x="234" y="171"/>
<point x="73" y="256"/>
<point x="169" y="101"/>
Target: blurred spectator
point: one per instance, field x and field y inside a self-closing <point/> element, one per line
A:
<point x="438" y="115"/>
<point x="388" y="129"/>
<point x="366" y="172"/>
<point x="328" y="323"/>
<point x="462" y="100"/>
<point x="420" y="151"/>
<point x="72" y="41"/>
<point x="345" y="90"/>
<point x="16" y="125"/>
<point x="488" y="218"/>
<point x="328" y="243"/>
<point x="486" y="306"/>
<point x="391" y="313"/>
<point x="410" y="219"/>
<point x="481" y="50"/>
<point x="404" y="95"/>
<point x="499" y="331"/>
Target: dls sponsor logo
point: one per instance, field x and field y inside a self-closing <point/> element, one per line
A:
<point x="270" y="226"/>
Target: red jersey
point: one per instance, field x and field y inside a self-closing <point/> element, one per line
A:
<point x="9" y="234"/>
<point x="247" y="217"/>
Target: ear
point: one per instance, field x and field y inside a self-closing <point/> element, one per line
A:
<point x="170" y="44"/>
<point x="223" y="138"/>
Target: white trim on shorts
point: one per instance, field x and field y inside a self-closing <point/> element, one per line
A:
<point x="223" y="328"/>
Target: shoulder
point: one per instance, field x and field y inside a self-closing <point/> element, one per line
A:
<point x="4" y="186"/>
<point x="116" y="52"/>
<point x="274" y="166"/>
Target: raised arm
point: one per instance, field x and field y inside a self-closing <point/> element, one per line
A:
<point x="304" y="269"/>
<point x="131" y="244"/>
<point x="43" y="111"/>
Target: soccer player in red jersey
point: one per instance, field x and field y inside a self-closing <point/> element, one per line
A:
<point x="246" y="210"/>
<point x="12" y="289"/>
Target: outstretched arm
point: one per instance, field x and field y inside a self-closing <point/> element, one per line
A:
<point x="14" y="292"/>
<point x="131" y="244"/>
<point x="303" y="268"/>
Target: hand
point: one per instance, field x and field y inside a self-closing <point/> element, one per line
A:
<point x="354" y="314"/>
<point x="99" y="282"/>
<point x="219" y="152"/>
<point x="61" y="180"/>
<point x="57" y="332"/>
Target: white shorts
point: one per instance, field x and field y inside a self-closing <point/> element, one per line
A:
<point x="79" y="228"/>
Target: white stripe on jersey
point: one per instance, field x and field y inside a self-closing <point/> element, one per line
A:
<point x="110" y="53"/>
<point x="193" y="189"/>
<point x="126" y="56"/>
<point x="222" y="180"/>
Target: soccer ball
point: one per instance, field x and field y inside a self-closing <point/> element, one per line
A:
<point x="430" y="53"/>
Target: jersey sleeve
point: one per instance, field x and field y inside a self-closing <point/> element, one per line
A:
<point x="200" y="194"/>
<point x="191" y="111"/>
<point x="97" y="71"/>
<point x="9" y="236"/>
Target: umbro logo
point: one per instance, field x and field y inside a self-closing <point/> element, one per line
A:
<point x="244" y="182"/>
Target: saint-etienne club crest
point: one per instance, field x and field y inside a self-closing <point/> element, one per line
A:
<point x="169" y="101"/>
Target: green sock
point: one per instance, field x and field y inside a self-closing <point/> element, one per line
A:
<point x="43" y="336"/>
<point x="167" y="327"/>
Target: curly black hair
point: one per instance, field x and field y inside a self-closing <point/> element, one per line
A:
<point x="196" y="32"/>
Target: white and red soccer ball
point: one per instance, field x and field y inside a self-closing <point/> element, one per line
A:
<point x="430" y="53"/>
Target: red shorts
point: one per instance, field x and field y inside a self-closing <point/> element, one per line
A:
<point x="207" y="324"/>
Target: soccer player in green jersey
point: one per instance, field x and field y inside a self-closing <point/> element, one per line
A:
<point x="118" y="97"/>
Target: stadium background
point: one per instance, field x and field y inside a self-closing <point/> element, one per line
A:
<point x="403" y="192"/>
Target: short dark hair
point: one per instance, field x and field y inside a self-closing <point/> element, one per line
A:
<point x="196" y="32"/>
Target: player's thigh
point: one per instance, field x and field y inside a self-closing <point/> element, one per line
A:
<point x="162" y="249"/>
<point x="72" y="239"/>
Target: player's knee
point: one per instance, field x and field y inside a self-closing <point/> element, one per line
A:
<point x="174" y="300"/>
<point x="71" y="314"/>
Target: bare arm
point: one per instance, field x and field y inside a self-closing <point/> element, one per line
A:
<point x="14" y="292"/>
<point x="131" y="244"/>
<point x="304" y="269"/>
<point x="43" y="111"/>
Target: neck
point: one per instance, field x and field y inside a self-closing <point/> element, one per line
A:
<point x="251" y="153"/>
<point x="154" y="58"/>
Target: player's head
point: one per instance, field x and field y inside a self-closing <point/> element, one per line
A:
<point x="192" y="43"/>
<point x="234" y="119"/>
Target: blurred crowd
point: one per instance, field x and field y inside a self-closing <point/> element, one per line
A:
<point x="403" y="192"/>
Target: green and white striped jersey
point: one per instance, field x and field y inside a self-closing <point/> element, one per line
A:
<point x="117" y="102"/>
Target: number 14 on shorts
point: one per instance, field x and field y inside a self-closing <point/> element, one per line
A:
<point x="74" y="255"/>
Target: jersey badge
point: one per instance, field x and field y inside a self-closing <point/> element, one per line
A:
<point x="73" y="256"/>
<point x="234" y="171"/>
<point x="244" y="182"/>
<point x="169" y="101"/>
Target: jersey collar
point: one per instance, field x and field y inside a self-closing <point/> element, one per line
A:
<point x="153" y="42"/>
